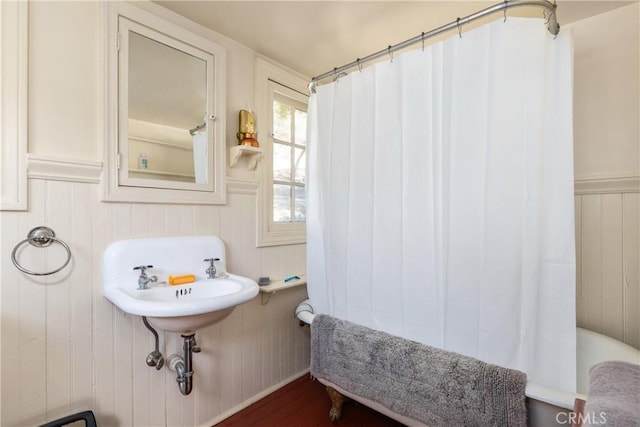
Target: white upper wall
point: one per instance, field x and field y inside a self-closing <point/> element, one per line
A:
<point x="66" y="77"/>
<point x="65" y="60"/>
<point x="607" y="94"/>
<point x="66" y="81"/>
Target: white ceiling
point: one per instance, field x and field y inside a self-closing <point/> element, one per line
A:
<point x="313" y="37"/>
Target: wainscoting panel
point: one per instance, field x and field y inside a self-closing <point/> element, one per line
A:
<point x="608" y="261"/>
<point x="65" y="348"/>
<point x="631" y="267"/>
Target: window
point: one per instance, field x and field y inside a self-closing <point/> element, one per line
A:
<point x="281" y="107"/>
<point x="289" y="138"/>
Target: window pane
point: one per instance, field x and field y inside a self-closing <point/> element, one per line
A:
<point x="289" y="160"/>
<point x="281" y="203"/>
<point x="301" y="127"/>
<point x="301" y="204"/>
<point x="300" y="165"/>
<point x="281" y="162"/>
<point x="281" y="121"/>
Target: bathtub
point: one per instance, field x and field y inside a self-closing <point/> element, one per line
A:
<point x="546" y="406"/>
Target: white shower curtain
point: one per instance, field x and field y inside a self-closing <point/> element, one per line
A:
<point x="440" y="198"/>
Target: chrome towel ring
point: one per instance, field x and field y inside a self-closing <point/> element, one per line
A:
<point x="40" y="237"/>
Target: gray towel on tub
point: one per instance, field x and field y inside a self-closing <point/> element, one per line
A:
<point x="614" y="395"/>
<point x="433" y="386"/>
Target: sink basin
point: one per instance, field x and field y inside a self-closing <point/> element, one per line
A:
<point x="180" y="308"/>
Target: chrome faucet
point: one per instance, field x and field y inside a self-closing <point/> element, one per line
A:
<point x="211" y="270"/>
<point x="144" y="280"/>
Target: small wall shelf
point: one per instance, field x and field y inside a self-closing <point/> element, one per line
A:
<point x="267" y="291"/>
<point x="253" y="153"/>
<point x="163" y="143"/>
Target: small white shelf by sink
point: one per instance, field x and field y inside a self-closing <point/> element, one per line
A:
<point x="266" y="291"/>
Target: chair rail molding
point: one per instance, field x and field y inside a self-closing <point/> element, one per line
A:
<point x="63" y="169"/>
<point x="75" y="170"/>
<point x="606" y="184"/>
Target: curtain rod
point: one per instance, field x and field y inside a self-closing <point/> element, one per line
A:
<point x="197" y="128"/>
<point x="552" y="26"/>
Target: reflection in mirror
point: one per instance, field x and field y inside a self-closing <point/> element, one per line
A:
<point x="167" y="90"/>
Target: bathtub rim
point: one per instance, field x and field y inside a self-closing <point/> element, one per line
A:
<point x="562" y="399"/>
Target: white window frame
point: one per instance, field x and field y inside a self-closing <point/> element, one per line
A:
<point x="271" y="78"/>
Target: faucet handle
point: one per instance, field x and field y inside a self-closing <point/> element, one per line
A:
<point x="143" y="268"/>
<point x="211" y="270"/>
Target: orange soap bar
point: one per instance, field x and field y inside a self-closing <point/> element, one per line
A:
<point x="181" y="280"/>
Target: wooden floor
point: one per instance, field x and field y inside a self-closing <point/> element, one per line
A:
<point x="304" y="403"/>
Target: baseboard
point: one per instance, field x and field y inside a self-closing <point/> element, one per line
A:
<point x="229" y="412"/>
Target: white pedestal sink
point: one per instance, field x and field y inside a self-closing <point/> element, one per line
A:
<point x="181" y="308"/>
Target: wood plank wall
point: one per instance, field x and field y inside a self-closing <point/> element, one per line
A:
<point x="608" y="264"/>
<point x="65" y="348"/>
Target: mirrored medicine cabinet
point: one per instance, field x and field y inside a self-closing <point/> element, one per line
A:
<point x="165" y="122"/>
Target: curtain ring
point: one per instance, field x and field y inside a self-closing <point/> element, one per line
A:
<point x="422" y="41"/>
<point x="359" y="64"/>
<point x="336" y="75"/>
<point x="390" y="54"/>
<point x="459" y="27"/>
<point x="547" y="21"/>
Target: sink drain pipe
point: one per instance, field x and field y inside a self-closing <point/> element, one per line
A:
<point x="182" y="365"/>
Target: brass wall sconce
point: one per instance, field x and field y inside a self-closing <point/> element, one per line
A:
<point x="247" y="129"/>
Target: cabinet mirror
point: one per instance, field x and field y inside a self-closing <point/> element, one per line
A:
<point x="167" y="134"/>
